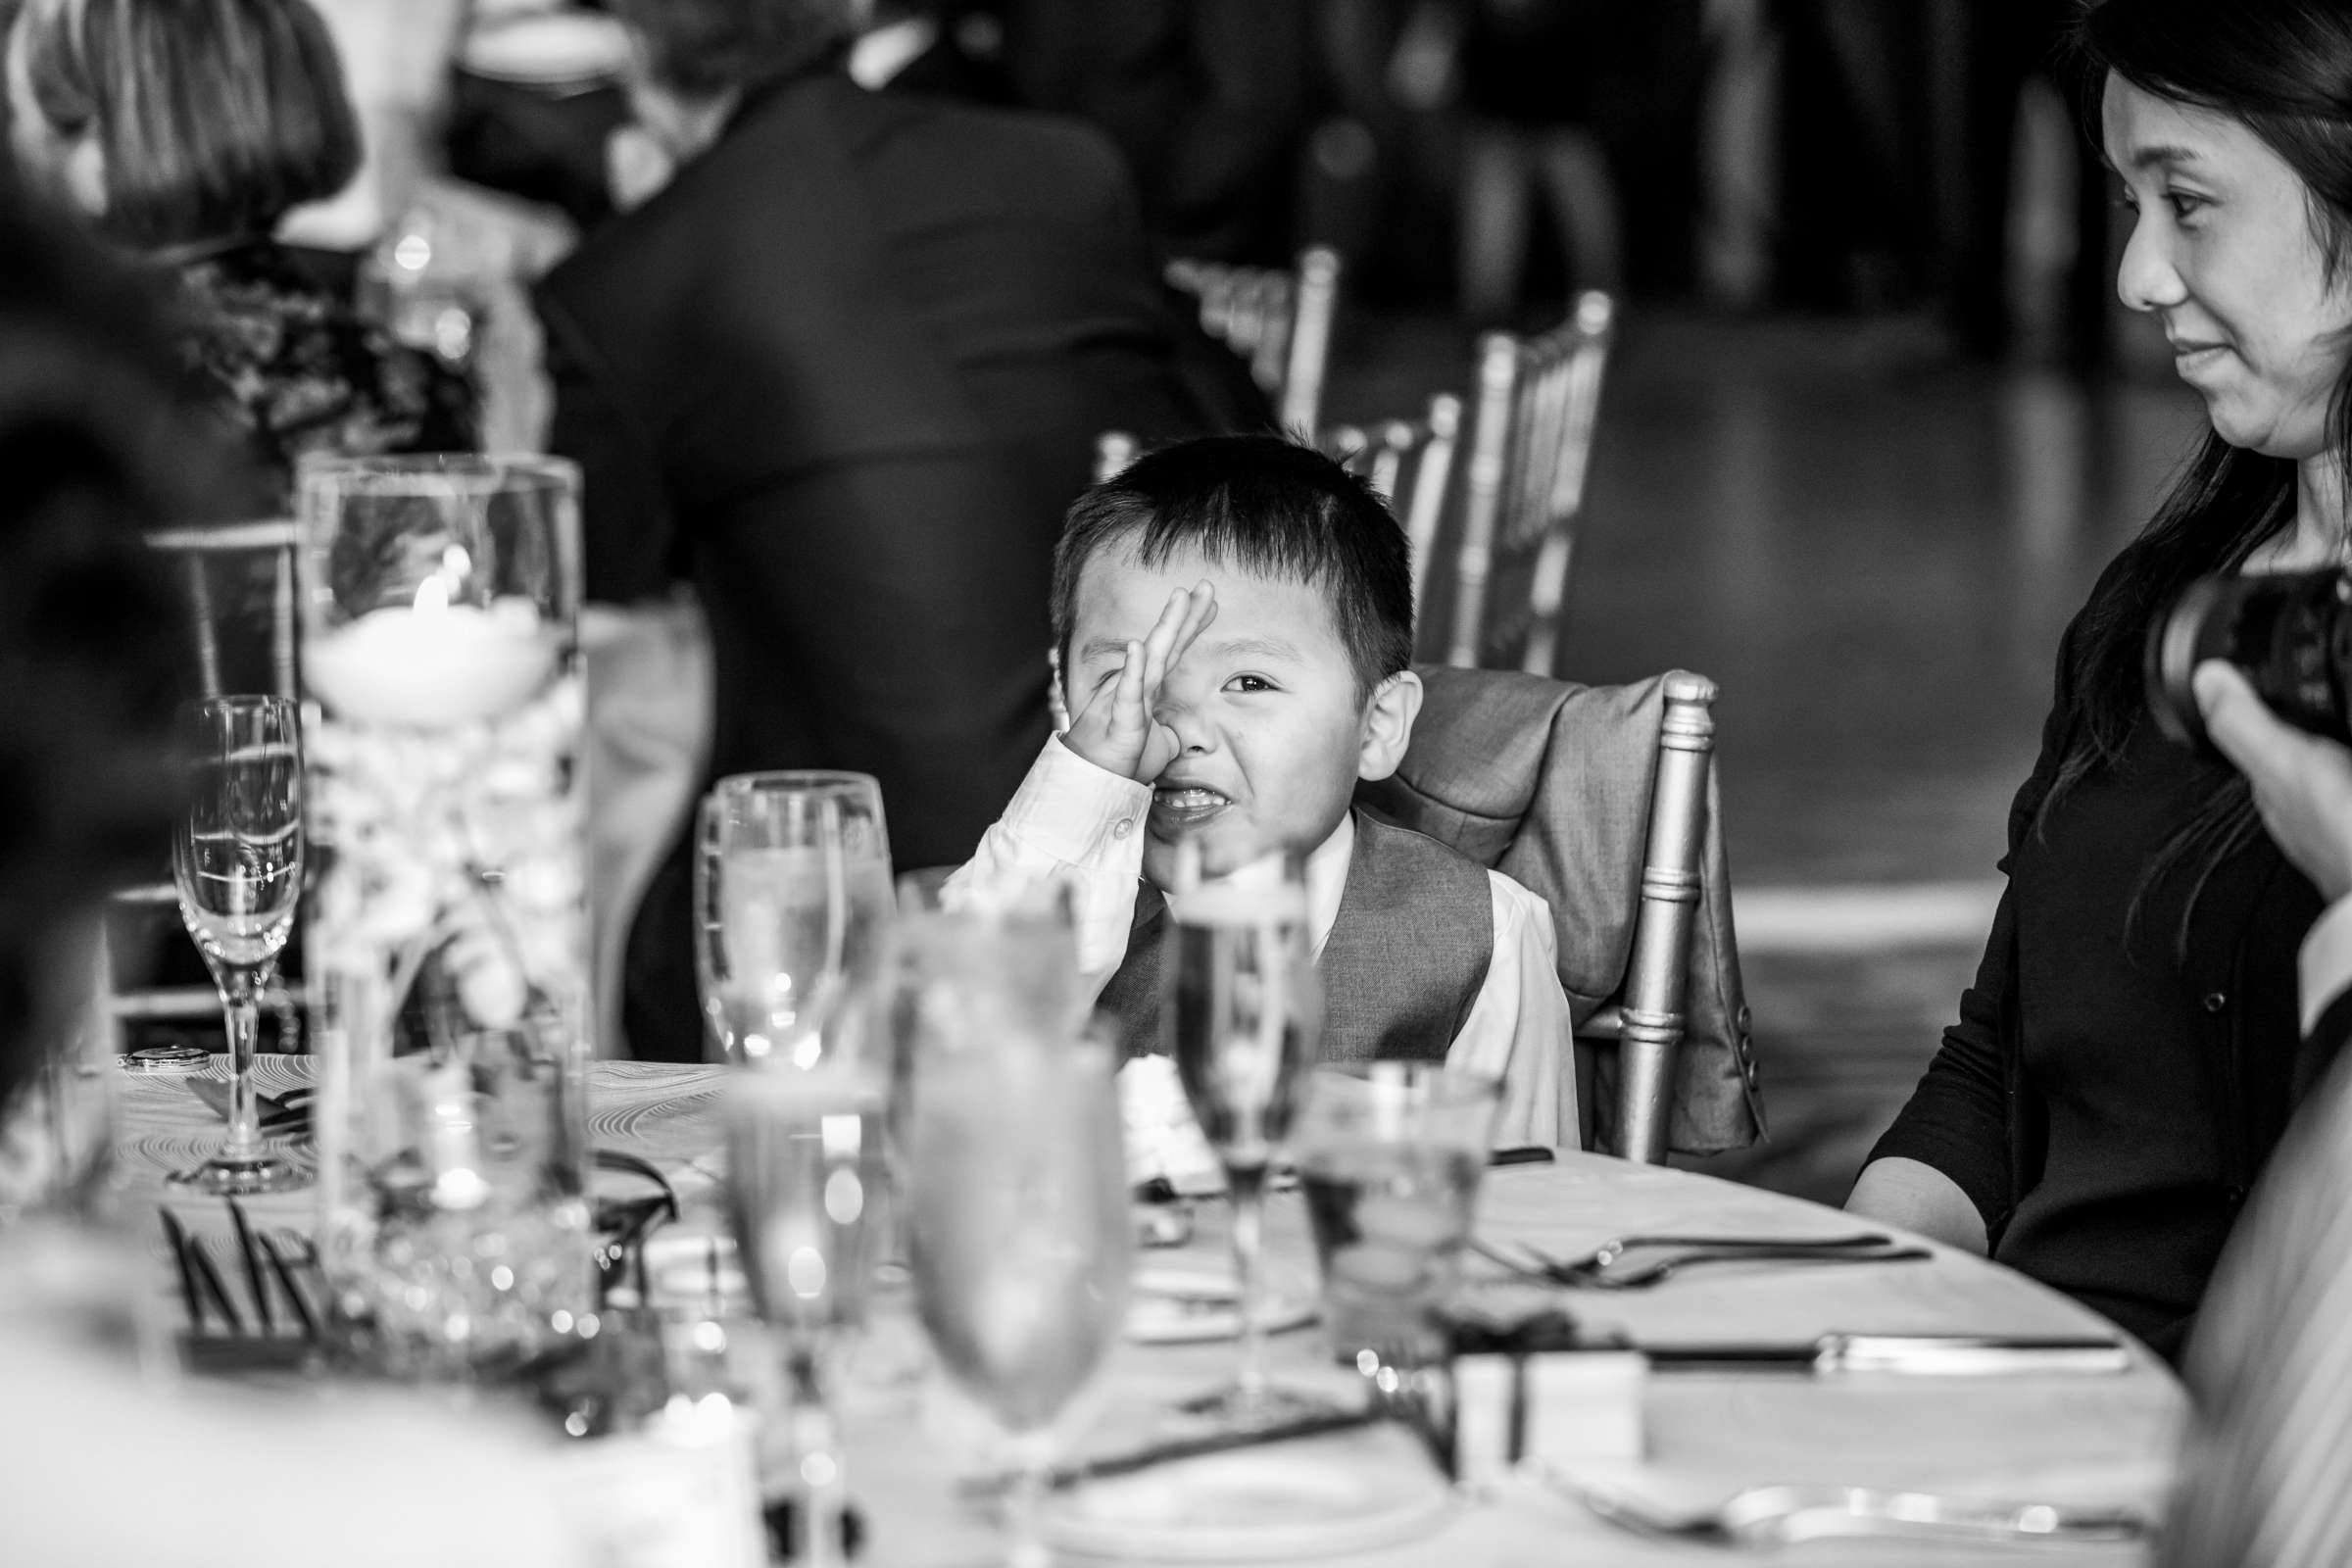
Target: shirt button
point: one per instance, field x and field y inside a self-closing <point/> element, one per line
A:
<point x="1122" y="827"/>
<point x="2236" y="1197"/>
<point x="2215" y="1001"/>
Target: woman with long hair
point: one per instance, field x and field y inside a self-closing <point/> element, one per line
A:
<point x="2130" y="1053"/>
<point x="185" y="132"/>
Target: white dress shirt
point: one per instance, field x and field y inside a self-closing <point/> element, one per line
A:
<point x="1079" y="822"/>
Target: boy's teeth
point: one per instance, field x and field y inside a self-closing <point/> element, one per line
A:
<point x="1190" y="798"/>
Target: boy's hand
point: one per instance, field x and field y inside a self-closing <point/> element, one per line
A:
<point x="1114" y="728"/>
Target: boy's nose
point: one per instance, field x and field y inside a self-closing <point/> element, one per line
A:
<point x="1181" y="714"/>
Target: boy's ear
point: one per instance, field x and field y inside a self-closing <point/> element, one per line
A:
<point x="1389" y="725"/>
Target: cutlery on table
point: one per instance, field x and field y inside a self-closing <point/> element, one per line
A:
<point x="1191" y="1447"/>
<point x="277" y="1113"/>
<point x="1609" y="1252"/>
<point x="1658" y="1273"/>
<point x="1783" y="1515"/>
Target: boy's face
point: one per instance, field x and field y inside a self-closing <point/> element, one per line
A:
<point x="1264" y="704"/>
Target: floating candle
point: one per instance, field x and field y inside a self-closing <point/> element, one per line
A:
<point x="432" y="665"/>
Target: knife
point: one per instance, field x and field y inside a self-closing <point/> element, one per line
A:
<point x="1910" y="1354"/>
<point x="1131" y="1460"/>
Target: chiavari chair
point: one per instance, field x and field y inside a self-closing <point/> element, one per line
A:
<point x="1530" y="449"/>
<point x="223" y="570"/>
<point x="1279" y="321"/>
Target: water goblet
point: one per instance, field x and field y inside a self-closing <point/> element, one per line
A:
<point x="1391" y="1154"/>
<point x="804" y="1159"/>
<point x="792" y="902"/>
<point x="1242" y="1014"/>
<point x="1019" y="1234"/>
<point x="236" y="861"/>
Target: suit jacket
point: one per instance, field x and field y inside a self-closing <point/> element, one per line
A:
<point x="1549" y="783"/>
<point x="843" y="374"/>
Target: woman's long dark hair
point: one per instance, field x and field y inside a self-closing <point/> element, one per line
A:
<point x="2283" y="68"/>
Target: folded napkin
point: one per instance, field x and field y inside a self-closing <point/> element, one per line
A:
<point x="1163" y="1139"/>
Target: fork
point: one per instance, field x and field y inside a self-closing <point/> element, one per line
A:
<point x="1538" y="1265"/>
<point x="1637" y="1279"/>
<point x="1784" y="1515"/>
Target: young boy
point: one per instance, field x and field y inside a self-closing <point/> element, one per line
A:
<point x="1234" y="619"/>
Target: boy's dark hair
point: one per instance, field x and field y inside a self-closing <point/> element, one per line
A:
<point x="1269" y="506"/>
<point x="217" y="116"/>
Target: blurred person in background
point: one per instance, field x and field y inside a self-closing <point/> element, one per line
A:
<point x="936" y="46"/>
<point x="184" y="134"/>
<point x="841" y="368"/>
<point x="2131" y="1051"/>
<point x="106" y="1469"/>
<point x="1207" y="100"/>
<point x="2267" y="1476"/>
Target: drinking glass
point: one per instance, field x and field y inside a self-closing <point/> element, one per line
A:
<point x="1242" y="1014"/>
<point x="236" y="858"/>
<point x="803" y="1153"/>
<point x="791" y="903"/>
<point x="1391" y="1153"/>
<point x="1019" y="1234"/>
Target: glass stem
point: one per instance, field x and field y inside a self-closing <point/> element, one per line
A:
<point x="816" y="1452"/>
<point x="240" y="1011"/>
<point x="1247" y="1189"/>
<point x="1024" y="1499"/>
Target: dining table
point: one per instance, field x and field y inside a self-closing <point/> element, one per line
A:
<point x="2102" y="1437"/>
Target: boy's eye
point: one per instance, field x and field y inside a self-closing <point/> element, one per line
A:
<point x="1251" y="684"/>
<point x="2185" y="203"/>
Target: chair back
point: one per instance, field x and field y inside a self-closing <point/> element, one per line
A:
<point x="1602" y="800"/>
<point x="240" y="584"/>
<point x="1279" y="322"/>
<point x="1410" y="463"/>
<point x="239" y="580"/>
<point x="1530" y="445"/>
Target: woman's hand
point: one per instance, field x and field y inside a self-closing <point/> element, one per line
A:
<point x="2302" y="782"/>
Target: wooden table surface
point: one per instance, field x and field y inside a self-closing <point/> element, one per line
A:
<point x="2100" y="1439"/>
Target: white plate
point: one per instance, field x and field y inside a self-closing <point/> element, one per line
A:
<point x="1349" y="1491"/>
<point x="552" y="48"/>
<point x="1185" y="1306"/>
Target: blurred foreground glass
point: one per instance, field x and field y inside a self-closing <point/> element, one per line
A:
<point x="1242" y="1016"/>
<point x="236" y="861"/>
<point x="804" y="1161"/>
<point x="1019" y="1233"/>
<point x="447" y="925"/>
<point x="791" y="910"/>
<point x="1391" y="1153"/>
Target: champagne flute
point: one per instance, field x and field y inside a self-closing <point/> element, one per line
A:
<point x="803" y="1160"/>
<point x="791" y="903"/>
<point x="1242" y="1016"/>
<point x="1019" y="1233"/>
<point x="236" y="859"/>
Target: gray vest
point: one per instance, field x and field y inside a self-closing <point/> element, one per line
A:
<point x="1405" y="959"/>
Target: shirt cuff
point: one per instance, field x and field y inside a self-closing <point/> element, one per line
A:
<point x="1074" y="812"/>
<point x="2325" y="966"/>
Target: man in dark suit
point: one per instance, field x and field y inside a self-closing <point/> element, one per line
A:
<point x="842" y="371"/>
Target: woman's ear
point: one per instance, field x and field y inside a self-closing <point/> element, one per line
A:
<point x="1389" y="725"/>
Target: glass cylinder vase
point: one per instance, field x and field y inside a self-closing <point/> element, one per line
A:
<point x="446" y="933"/>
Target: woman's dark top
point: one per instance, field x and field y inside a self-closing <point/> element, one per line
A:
<point x="295" y="367"/>
<point x="2111" y="1092"/>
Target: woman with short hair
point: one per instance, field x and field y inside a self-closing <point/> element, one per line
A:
<point x="184" y="131"/>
